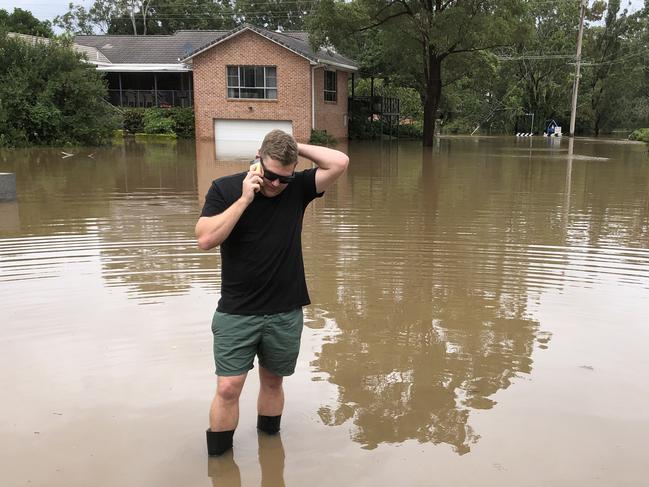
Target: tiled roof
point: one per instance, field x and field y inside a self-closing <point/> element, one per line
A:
<point x="296" y="41"/>
<point x="154" y="49"/>
<point x="181" y="46"/>
<point x="93" y="55"/>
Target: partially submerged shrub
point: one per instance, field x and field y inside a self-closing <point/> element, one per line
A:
<point x="184" y="120"/>
<point x="156" y="122"/>
<point x="640" y="134"/>
<point x="321" y="137"/>
<point x="133" y="120"/>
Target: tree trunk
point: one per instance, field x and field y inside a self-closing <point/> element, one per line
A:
<point x="132" y="14"/>
<point x="433" y="95"/>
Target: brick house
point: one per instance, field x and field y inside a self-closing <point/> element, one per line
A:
<point x="241" y="82"/>
<point x="250" y="80"/>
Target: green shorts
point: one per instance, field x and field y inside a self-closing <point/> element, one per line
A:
<point x="274" y="338"/>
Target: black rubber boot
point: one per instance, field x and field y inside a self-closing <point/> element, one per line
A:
<point x="268" y="424"/>
<point x="218" y="442"/>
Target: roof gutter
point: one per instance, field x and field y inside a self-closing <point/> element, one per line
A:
<point x="338" y="65"/>
<point x="144" y="68"/>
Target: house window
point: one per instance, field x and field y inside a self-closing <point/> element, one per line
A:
<point x="252" y="82"/>
<point x="330" y="86"/>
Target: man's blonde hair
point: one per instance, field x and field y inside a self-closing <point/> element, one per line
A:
<point x="280" y="146"/>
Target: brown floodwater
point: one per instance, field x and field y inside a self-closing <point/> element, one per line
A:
<point x="480" y="317"/>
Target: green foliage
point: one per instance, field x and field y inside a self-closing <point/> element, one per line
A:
<point x="640" y="134"/>
<point x="274" y="14"/>
<point x="410" y="131"/>
<point x="499" y="61"/>
<point x="142" y="17"/>
<point x="176" y="120"/>
<point x="158" y="138"/>
<point x="416" y="41"/>
<point x="23" y="22"/>
<point x="409" y="100"/>
<point x="77" y="20"/>
<point x="49" y="96"/>
<point x="156" y="121"/>
<point x="458" y="126"/>
<point x="321" y="137"/>
<point x="133" y="120"/>
<point x="362" y="128"/>
<point x="183" y="121"/>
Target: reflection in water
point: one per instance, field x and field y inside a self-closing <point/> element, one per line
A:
<point x="224" y="471"/>
<point x="436" y="268"/>
<point x="436" y="276"/>
<point x="127" y="207"/>
<point x="404" y="376"/>
<point x="271" y="460"/>
<point x="9" y="217"/>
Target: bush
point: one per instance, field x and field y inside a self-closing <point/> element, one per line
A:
<point x="159" y="121"/>
<point x="457" y="126"/>
<point x="50" y="96"/>
<point x="156" y="121"/>
<point x="640" y="134"/>
<point x="184" y="121"/>
<point x="133" y="120"/>
<point x="411" y="131"/>
<point x="362" y="127"/>
<point x="321" y="137"/>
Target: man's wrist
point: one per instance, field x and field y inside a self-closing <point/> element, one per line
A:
<point x="242" y="202"/>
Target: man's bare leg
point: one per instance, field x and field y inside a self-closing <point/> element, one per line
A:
<point x="270" y="403"/>
<point x="224" y="413"/>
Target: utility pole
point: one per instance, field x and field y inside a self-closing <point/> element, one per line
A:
<point x="575" y="87"/>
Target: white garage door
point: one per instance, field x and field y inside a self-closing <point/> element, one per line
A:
<point x="240" y="139"/>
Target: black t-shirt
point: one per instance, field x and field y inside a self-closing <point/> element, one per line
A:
<point x="262" y="271"/>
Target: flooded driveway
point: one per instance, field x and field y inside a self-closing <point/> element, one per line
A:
<point x="480" y="317"/>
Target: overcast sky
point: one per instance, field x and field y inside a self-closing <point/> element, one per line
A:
<point x="47" y="10"/>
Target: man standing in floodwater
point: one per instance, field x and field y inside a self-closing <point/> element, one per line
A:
<point x="256" y="218"/>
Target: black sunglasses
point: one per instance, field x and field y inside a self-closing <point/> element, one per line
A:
<point x="271" y="176"/>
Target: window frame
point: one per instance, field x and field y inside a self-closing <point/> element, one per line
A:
<point x="239" y="87"/>
<point x="332" y="94"/>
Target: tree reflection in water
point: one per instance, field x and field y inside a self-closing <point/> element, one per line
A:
<point x="428" y="293"/>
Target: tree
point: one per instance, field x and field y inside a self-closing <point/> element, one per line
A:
<point x="274" y="14"/>
<point x="142" y="17"/>
<point x="540" y="62"/>
<point x="614" y="78"/>
<point x="419" y="36"/>
<point x="23" y="22"/>
<point x="50" y="96"/>
<point x="77" y="20"/>
<point x="103" y="14"/>
<point x="169" y="16"/>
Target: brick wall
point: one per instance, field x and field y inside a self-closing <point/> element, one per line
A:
<point x="249" y="48"/>
<point x="331" y="116"/>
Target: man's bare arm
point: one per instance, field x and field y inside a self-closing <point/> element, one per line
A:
<point x="211" y="231"/>
<point x="331" y="164"/>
